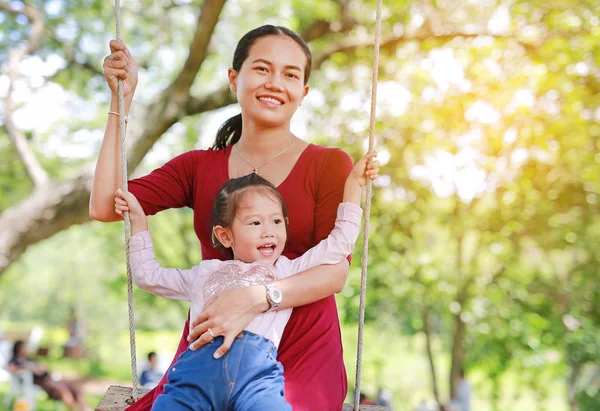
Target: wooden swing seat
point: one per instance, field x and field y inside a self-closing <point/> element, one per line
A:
<point x="116" y="398"/>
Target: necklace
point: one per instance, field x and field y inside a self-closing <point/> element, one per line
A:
<point x="256" y="169"/>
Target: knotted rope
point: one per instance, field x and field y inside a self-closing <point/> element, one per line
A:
<point x="365" y="255"/>
<point x="122" y="131"/>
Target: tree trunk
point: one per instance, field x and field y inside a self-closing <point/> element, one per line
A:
<point x="457" y="351"/>
<point x="51" y="208"/>
<point x="427" y="330"/>
<point x="457" y="359"/>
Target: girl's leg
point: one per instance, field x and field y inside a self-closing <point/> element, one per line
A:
<point x="257" y="377"/>
<point x="195" y="382"/>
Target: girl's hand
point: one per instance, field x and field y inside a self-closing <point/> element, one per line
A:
<point x="228" y="314"/>
<point x="365" y="169"/>
<point x="126" y="202"/>
<point x="120" y="65"/>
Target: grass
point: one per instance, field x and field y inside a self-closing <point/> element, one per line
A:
<point x="390" y="361"/>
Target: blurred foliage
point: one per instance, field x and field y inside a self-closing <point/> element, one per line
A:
<point x="486" y="212"/>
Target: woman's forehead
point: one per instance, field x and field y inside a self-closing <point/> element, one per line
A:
<point x="278" y="50"/>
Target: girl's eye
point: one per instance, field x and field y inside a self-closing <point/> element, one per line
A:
<point x="277" y="221"/>
<point x="292" y="75"/>
<point x="255" y="223"/>
<point x="261" y="68"/>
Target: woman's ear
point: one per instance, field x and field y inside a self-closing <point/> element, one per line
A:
<point x="223" y="236"/>
<point x="232" y="76"/>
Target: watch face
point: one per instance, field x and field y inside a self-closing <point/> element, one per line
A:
<point x="276" y="295"/>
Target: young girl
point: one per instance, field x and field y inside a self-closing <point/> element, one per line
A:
<point x="250" y="221"/>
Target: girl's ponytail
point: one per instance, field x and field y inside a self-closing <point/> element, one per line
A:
<point x="229" y="133"/>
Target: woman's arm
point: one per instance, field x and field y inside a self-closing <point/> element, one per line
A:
<point x="230" y="312"/>
<point x="311" y="285"/>
<point x="14" y="368"/>
<point x="107" y="176"/>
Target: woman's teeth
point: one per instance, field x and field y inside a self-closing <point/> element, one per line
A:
<point x="270" y="100"/>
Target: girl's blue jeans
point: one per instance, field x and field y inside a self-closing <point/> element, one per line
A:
<point x="247" y="378"/>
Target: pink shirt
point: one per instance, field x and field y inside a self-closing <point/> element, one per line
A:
<point x="206" y="279"/>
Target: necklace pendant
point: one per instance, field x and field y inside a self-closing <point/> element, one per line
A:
<point x="255" y="170"/>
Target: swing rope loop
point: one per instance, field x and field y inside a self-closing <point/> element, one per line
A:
<point x="365" y="254"/>
<point x="122" y="132"/>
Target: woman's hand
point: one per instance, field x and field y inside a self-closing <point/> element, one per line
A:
<point x="227" y="314"/>
<point x="120" y="65"/>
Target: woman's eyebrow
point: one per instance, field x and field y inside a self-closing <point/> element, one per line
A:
<point x="289" y="66"/>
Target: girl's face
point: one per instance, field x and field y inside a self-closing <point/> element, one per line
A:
<point x="270" y="84"/>
<point x="258" y="230"/>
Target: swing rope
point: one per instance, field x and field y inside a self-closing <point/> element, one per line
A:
<point x="122" y="131"/>
<point x="365" y="254"/>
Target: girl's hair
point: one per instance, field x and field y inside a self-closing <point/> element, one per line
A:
<point x="17" y="347"/>
<point x="230" y="131"/>
<point x="230" y="197"/>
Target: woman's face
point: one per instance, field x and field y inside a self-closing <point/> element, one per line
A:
<point x="22" y="351"/>
<point x="270" y="84"/>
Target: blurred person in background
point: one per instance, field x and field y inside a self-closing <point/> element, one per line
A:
<point x="59" y="390"/>
<point x="150" y="376"/>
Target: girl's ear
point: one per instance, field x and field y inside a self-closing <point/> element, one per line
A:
<point x="223" y="236"/>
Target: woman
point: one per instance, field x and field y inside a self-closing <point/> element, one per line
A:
<point x="63" y="391"/>
<point x="269" y="74"/>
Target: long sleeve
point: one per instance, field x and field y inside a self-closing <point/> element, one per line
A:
<point x="333" y="249"/>
<point x="172" y="283"/>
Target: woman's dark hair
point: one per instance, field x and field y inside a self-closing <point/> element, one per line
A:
<point x="230" y="131"/>
<point x="230" y="197"/>
<point x="17" y="347"/>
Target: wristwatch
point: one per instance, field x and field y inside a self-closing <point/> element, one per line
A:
<point x="274" y="296"/>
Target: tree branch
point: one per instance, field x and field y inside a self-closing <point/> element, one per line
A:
<point x="198" y="50"/>
<point x="170" y="106"/>
<point x="320" y="28"/>
<point x="392" y="43"/>
<point x="36" y="172"/>
<point x="220" y="98"/>
<point x="69" y="54"/>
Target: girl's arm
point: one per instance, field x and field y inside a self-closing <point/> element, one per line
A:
<point x="335" y="248"/>
<point x="342" y="239"/>
<point x="148" y="274"/>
